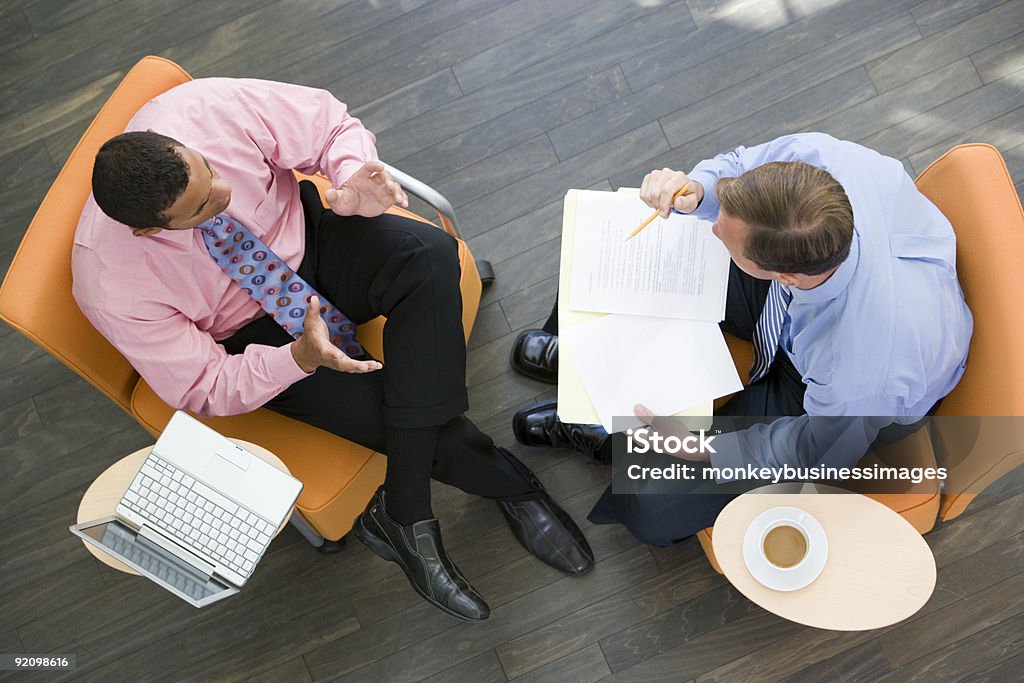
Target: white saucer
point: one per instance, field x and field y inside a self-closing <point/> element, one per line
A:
<point x="796" y="577"/>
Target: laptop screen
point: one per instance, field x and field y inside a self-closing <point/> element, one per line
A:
<point x="154" y="562"/>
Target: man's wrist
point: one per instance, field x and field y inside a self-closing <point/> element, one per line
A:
<point x="302" y="357"/>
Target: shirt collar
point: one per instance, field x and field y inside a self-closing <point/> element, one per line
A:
<point x="835" y="285"/>
<point x="181" y="238"/>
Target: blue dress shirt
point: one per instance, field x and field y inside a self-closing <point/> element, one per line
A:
<point x="885" y="337"/>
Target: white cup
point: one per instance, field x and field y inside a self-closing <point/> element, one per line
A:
<point x="787" y="550"/>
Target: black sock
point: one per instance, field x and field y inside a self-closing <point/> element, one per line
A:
<point x="407" y="482"/>
<point x="551" y="325"/>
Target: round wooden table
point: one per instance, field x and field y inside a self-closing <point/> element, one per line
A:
<point x="101" y="497"/>
<point x="879" y="569"/>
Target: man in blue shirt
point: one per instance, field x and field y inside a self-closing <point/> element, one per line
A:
<point x="866" y="320"/>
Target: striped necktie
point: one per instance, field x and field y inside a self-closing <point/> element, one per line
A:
<point x="266" y="278"/>
<point x="769" y="329"/>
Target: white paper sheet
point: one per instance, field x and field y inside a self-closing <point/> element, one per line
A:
<point x="667" y="365"/>
<point x="675" y="268"/>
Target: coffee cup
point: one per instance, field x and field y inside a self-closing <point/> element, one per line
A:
<point x="785" y="544"/>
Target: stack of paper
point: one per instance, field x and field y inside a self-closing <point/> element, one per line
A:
<point x="675" y="268"/>
<point x="666" y="289"/>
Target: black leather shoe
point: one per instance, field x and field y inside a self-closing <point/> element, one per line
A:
<point x="418" y="550"/>
<point x="548" y="532"/>
<point x="539" y="425"/>
<point x="535" y="354"/>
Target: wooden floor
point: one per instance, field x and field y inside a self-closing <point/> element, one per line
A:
<point x="503" y="105"/>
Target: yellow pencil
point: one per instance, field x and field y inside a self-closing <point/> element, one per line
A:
<point x="677" y="195"/>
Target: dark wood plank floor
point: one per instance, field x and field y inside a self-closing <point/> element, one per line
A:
<point x="503" y="105"/>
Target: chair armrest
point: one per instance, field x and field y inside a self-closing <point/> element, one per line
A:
<point x="420" y="189"/>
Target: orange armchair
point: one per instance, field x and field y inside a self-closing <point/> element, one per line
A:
<point x="972" y="187"/>
<point x="339" y="476"/>
<point x="979" y="435"/>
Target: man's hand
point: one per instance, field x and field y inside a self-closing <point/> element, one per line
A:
<point x="314" y="348"/>
<point x="666" y="427"/>
<point x="659" y="187"/>
<point x="369" y="192"/>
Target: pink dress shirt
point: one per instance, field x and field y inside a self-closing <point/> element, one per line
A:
<point x="162" y="300"/>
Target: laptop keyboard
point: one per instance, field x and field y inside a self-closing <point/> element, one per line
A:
<point x="197" y="516"/>
<point x="124" y="543"/>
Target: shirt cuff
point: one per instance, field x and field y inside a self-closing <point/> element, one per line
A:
<point x="728" y="453"/>
<point x="282" y="366"/>
<point x="340" y="173"/>
<point x="708" y="208"/>
<point x="344" y="171"/>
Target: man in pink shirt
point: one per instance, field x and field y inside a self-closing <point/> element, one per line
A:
<point x="146" y="279"/>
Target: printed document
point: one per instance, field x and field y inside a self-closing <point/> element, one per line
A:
<point x="675" y="268"/>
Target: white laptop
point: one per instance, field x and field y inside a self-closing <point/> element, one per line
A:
<point x="199" y="514"/>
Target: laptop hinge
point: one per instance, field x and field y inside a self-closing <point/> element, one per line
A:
<point x="176" y="549"/>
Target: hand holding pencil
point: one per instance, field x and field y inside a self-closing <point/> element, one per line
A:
<point x="639" y="228"/>
<point x="666" y="189"/>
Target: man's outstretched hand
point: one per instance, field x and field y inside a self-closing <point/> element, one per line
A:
<point x="369" y="192"/>
<point x="669" y="426"/>
<point x="314" y="348"/>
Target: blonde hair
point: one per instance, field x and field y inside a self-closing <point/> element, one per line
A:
<point x="799" y="216"/>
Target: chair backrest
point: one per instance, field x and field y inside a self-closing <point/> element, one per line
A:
<point x="35" y="297"/>
<point x="972" y="187"/>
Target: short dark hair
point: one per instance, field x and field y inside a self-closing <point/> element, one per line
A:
<point x="800" y="218"/>
<point x="137" y="176"/>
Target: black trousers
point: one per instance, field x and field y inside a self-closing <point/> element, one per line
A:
<point x="408" y="272"/>
<point x="661" y="519"/>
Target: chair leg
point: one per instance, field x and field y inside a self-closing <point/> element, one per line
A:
<point x="307" y="530"/>
<point x="315" y="538"/>
<point x="330" y="547"/>
<point x="486" y="272"/>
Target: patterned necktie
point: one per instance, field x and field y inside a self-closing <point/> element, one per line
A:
<point x="769" y="329"/>
<point x="269" y="280"/>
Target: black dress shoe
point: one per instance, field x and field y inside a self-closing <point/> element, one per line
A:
<point x="539" y="425"/>
<point x="418" y="550"/>
<point x="535" y="354"/>
<point x="548" y="532"/>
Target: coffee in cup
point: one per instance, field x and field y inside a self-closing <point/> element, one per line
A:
<point x="784" y="545"/>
